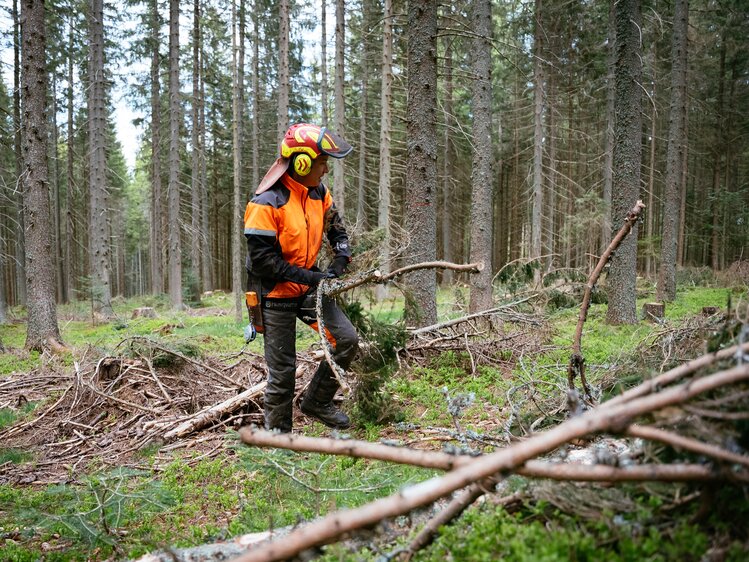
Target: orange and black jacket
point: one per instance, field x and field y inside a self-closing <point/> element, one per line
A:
<point x="284" y="227"/>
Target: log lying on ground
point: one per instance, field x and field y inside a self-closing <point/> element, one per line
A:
<point x="214" y="413"/>
<point x="613" y="419"/>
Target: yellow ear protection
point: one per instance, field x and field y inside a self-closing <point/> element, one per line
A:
<point x="302" y="164"/>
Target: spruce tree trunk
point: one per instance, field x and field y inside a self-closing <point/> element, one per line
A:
<point x="483" y="152"/>
<point x="339" y="186"/>
<point x="386" y="118"/>
<point x="361" y="192"/>
<point x="196" y="189"/>
<point x="608" y="151"/>
<point x="237" y="111"/>
<point x="448" y="162"/>
<point x="421" y="167"/>
<point x="20" y="251"/>
<point x="622" y="276"/>
<point x="67" y="252"/>
<point x="717" y="160"/>
<point x="173" y="190"/>
<point x="323" y="63"/>
<point x="42" y="330"/>
<point x="283" y="69"/>
<point x="538" y="134"/>
<point x="157" y="213"/>
<point x="675" y="154"/>
<point x="99" y="235"/>
<point x="205" y="228"/>
<point x="255" y="100"/>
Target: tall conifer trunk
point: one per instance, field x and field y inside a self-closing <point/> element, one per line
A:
<point x="386" y="117"/>
<point x="157" y="213"/>
<point x="173" y="190"/>
<point x="421" y="168"/>
<point x="675" y="156"/>
<point x="99" y="234"/>
<point x="627" y="160"/>
<point x="42" y="330"/>
<point x="483" y="151"/>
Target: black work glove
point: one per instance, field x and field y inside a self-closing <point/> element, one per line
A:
<point x="313" y="278"/>
<point x="338" y="267"/>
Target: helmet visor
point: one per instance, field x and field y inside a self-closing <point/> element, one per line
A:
<point x="332" y="144"/>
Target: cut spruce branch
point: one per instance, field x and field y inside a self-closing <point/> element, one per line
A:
<point x="332" y="287"/>
<point x="453" y="322"/>
<point x="444" y="461"/>
<point x="614" y="419"/>
<point x="577" y="362"/>
<point x="336" y="287"/>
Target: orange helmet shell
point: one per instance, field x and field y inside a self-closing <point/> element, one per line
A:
<point x="313" y="141"/>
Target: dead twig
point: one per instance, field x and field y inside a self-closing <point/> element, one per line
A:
<point x="577" y="361"/>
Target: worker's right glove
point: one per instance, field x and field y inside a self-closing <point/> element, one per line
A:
<point x="314" y="277"/>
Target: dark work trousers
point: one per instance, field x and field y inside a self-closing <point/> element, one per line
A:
<point x="279" y="319"/>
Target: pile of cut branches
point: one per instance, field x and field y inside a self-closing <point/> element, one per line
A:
<point x="721" y="376"/>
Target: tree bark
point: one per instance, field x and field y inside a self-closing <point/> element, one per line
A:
<point x="675" y="156"/>
<point x="324" y="62"/>
<point x="20" y="250"/>
<point x="237" y="254"/>
<point x="196" y="189"/>
<point x="538" y="138"/>
<point x="386" y="118"/>
<point x="42" y="330"/>
<point x="483" y="152"/>
<point x="339" y="176"/>
<point x="627" y="160"/>
<point x="608" y="151"/>
<point x="448" y="162"/>
<point x="157" y="241"/>
<point x="174" y="196"/>
<point x="99" y="235"/>
<point x="421" y="168"/>
<point x="283" y="69"/>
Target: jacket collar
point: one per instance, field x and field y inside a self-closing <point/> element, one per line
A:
<point x="295" y="186"/>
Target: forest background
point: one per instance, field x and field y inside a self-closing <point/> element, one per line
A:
<point x="220" y="81"/>
<point x="514" y="135"/>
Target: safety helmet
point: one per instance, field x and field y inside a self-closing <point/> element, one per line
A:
<point x="313" y="141"/>
<point x="301" y="144"/>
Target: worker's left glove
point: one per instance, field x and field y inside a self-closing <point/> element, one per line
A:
<point x="339" y="266"/>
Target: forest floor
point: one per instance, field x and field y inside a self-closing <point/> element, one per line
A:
<point x="102" y="456"/>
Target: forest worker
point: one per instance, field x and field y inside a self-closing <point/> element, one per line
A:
<point x="284" y="224"/>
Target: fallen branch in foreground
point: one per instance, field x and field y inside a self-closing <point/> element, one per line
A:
<point x="577" y="362"/>
<point x="678" y="472"/>
<point x="614" y="419"/>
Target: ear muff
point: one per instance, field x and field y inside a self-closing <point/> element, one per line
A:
<point x="302" y="164"/>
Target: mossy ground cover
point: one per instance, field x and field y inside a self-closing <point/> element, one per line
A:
<point x="115" y="514"/>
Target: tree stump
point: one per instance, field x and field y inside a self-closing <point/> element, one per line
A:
<point x="144" y="312"/>
<point x="654" y="311"/>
